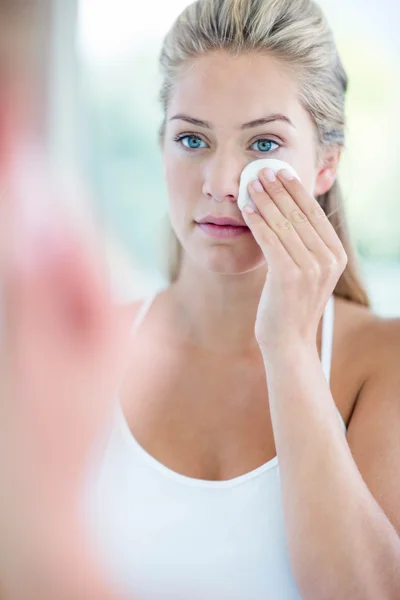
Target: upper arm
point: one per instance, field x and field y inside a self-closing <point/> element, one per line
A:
<point x="374" y="430"/>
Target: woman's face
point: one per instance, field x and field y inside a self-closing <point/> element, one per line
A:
<point x="213" y="130"/>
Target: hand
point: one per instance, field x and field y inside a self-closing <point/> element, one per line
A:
<point x="305" y="259"/>
<point x="60" y="355"/>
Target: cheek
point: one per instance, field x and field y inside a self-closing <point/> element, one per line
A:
<point x="308" y="179"/>
<point x="305" y="168"/>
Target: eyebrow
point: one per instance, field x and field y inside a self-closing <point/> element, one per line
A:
<point x="251" y="124"/>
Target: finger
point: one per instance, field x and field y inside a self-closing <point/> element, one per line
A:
<point x="275" y="253"/>
<point x="313" y="212"/>
<point x="292" y="212"/>
<point x="281" y="227"/>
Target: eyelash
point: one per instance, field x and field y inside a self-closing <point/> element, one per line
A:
<point x="181" y="137"/>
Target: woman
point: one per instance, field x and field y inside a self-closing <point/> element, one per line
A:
<point x="232" y="470"/>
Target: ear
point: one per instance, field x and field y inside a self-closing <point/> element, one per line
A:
<point x="327" y="170"/>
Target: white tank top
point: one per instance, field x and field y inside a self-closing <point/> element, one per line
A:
<point x="167" y="536"/>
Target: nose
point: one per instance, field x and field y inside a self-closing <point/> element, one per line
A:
<point x="222" y="179"/>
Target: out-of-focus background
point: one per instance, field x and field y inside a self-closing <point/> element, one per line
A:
<point x="108" y="95"/>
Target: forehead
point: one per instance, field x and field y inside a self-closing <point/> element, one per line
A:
<point x="229" y="90"/>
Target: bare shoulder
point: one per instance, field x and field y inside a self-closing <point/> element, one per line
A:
<point x="132" y="314"/>
<point x="376" y="339"/>
<point x="366" y="348"/>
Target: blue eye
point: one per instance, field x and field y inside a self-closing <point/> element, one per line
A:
<point x="266" y="145"/>
<point x="193" y="141"/>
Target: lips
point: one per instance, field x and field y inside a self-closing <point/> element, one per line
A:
<point x="221" y="221"/>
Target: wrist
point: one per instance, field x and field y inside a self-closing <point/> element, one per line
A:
<point x="288" y="350"/>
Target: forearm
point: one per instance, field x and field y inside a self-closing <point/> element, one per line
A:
<point x="341" y="543"/>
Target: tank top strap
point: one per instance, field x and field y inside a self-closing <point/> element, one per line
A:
<point x="143" y="310"/>
<point x="328" y="326"/>
<point x="328" y="323"/>
<point x="140" y="315"/>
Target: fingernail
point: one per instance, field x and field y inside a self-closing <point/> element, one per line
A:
<point x="248" y="209"/>
<point x="285" y="174"/>
<point x="269" y="175"/>
<point x="257" y="186"/>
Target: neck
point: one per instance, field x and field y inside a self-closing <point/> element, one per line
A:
<point x="216" y="311"/>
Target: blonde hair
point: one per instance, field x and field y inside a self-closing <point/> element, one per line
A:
<point x="297" y="33"/>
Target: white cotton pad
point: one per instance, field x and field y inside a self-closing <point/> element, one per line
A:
<point x="250" y="173"/>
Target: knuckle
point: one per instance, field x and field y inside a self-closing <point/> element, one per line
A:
<point x="318" y="212"/>
<point x="265" y="200"/>
<point x="266" y="238"/>
<point x="313" y="271"/>
<point x="343" y="259"/>
<point x="279" y="190"/>
<point x="284" y="224"/>
<point x="331" y="264"/>
<point x="298" y="216"/>
<point x="339" y="261"/>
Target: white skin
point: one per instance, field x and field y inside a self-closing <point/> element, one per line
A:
<point x="220" y="281"/>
